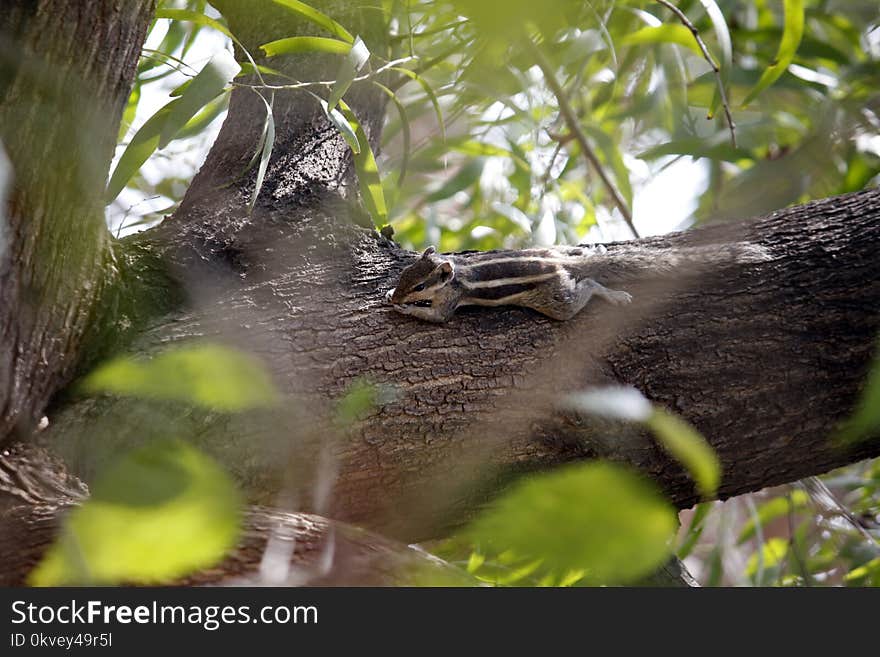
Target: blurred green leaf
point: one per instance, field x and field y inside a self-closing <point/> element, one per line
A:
<point x="771" y="554"/>
<point x="596" y="516"/>
<point x="208" y="375"/>
<point x="197" y="124"/>
<point x="204" y="87"/>
<point x="159" y="513"/>
<point x="468" y="175"/>
<point x="688" y="447"/>
<point x="139" y="149"/>
<point x="429" y="92"/>
<point x="771" y="510"/>
<point x="791" y="39"/>
<point x="668" y="33"/>
<point x="405" y="129"/>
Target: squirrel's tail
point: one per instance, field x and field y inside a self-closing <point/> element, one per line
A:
<point x="632" y="260"/>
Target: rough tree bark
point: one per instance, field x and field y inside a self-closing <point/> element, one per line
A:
<point x="765" y="359"/>
<point x="65" y="74"/>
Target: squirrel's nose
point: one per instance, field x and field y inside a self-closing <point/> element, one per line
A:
<point x="389" y="294"/>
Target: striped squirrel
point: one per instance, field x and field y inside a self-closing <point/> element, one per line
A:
<point x="556" y="281"/>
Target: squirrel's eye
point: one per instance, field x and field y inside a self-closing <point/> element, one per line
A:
<point x="419" y="287"/>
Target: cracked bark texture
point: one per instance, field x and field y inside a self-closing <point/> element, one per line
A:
<point x="65" y="74"/>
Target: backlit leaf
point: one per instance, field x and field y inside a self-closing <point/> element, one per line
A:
<point x="161" y="512"/>
<point x="208" y="375"/>
<point x="598" y="517"/>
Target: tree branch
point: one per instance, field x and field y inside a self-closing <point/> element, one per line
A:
<point x="571" y="121"/>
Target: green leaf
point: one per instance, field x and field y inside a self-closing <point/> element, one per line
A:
<point x="722" y="32"/>
<point x="207" y="85"/>
<point x="267" y="143"/>
<point x="295" y="45"/>
<point x="771" y="554"/>
<point x="468" y="175"/>
<point x="208" y="375"/>
<point x="429" y="92"/>
<point x="130" y="111"/>
<point x="354" y="61"/>
<point x="205" y="117"/>
<point x="614" y="158"/>
<point x="310" y="13"/>
<point x="772" y="509"/>
<point x="792" y="33"/>
<point x="712" y="147"/>
<point x="139" y="149"/>
<point x="595" y="516"/>
<point x="369" y="181"/>
<point x="667" y="33"/>
<point x="359" y="399"/>
<point x="159" y="513"/>
<point x="405" y="129"/>
<point x="684" y="443"/>
<point x="338" y="119"/>
<point x="193" y="17"/>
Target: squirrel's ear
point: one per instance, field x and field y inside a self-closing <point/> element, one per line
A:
<point x="429" y="252"/>
<point x="445" y="269"/>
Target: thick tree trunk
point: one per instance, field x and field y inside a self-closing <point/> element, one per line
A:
<point x="765" y="359"/>
<point x="65" y="73"/>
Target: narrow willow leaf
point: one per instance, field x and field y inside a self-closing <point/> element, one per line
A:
<point x="710" y="147"/>
<point x="249" y="69"/>
<point x="770" y="510"/>
<point x="139" y="149"/>
<point x="468" y="175"/>
<point x="405" y="130"/>
<point x="159" y="513"/>
<point x="369" y="180"/>
<point x="483" y="149"/>
<point x="722" y="33"/>
<point x="668" y="33"/>
<point x="294" y="45"/>
<point x="792" y="33"/>
<point x="193" y="17"/>
<point x="207" y="85"/>
<point x="689" y="448"/>
<point x="208" y="375"/>
<point x="130" y="110"/>
<point x="204" y="118"/>
<point x="695" y="531"/>
<point x="596" y="517"/>
<point x="267" y="141"/>
<point x="310" y="13"/>
<point x="354" y="61"/>
<point x="429" y="92"/>
<point x="337" y="119"/>
<point x="613" y="157"/>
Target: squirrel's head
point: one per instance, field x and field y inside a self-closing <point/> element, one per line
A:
<point x="421" y="281"/>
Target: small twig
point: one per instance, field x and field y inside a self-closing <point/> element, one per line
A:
<point x="324" y="83"/>
<point x="571" y="121"/>
<point x="708" y="57"/>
